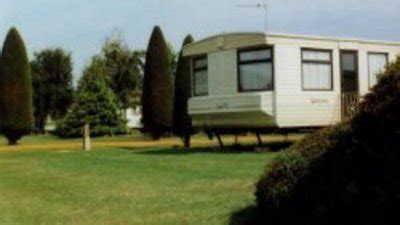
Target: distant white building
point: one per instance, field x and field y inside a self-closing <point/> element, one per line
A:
<point x="134" y="117"/>
<point x="50" y="124"/>
<point x="259" y="81"/>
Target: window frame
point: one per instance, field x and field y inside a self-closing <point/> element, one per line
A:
<point x="200" y="69"/>
<point x="239" y="63"/>
<point x="318" y="62"/>
<point x="386" y="54"/>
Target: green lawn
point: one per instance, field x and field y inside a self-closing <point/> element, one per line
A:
<point x="126" y="186"/>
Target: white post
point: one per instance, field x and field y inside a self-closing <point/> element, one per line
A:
<point x="86" y="137"/>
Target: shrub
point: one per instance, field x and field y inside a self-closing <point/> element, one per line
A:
<point x="341" y="175"/>
<point x="16" y="111"/>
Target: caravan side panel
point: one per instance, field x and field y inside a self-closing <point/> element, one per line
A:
<point x="296" y="107"/>
<point x="364" y="50"/>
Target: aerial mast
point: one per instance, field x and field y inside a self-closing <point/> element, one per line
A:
<point x="260" y="6"/>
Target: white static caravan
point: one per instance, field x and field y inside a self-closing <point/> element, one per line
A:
<point x="253" y="81"/>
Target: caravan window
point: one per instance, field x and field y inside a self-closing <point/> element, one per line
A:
<point x="255" y="70"/>
<point x="200" y="76"/>
<point x="376" y="65"/>
<point x="317" y="70"/>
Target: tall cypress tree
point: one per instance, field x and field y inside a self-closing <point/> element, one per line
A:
<point x="16" y="113"/>
<point x="182" y="123"/>
<point x="158" y="93"/>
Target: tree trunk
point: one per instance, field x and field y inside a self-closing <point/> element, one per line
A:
<point x="186" y="140"/>
<point x="40" y="124"/>
<point x="12" y="142"/>
<point x="86" y="138"/>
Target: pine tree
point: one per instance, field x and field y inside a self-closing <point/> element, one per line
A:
<point x="16" y="111"/>
<point x="158" y="93"/>
<point x="182" y="123"/>
<point x="95" y="104"/>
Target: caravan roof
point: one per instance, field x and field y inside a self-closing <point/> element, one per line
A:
<point x="240" y="39"/>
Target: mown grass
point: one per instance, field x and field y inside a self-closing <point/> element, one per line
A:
<point x="126" y="184"/>
<point x="51" y="143"/>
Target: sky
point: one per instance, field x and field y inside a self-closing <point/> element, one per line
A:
<point x="81" y="26"/>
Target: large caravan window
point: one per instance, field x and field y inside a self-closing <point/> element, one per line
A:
<point x="200" y="76"/>
<point x="255" y="70"/>
<point x="317" y="69"/>
<point x="376" y="65"/>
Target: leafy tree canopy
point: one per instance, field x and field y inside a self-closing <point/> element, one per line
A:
<point x="124" y="70"/>
<point x="52" y="83"/>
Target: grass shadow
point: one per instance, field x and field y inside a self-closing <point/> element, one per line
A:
<point x="247" y="216"/>
<point x="270" y="147"/>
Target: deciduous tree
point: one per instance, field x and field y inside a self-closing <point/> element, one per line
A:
<point x="52" y="85"/>
<point x="124" y="70"/>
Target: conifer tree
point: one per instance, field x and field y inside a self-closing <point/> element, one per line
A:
<point x="16" y="111"/>
<point x="157" y="97"/>
<point x="182" y="123"/>
<point x="96" y="105"/>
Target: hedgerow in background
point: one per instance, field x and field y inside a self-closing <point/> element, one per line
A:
<point x="16" y="111"/>
<point x="95" y="104"/>
<point x="347" y="174"/>
<point x="182" y="124"/>
<point x="157" y="97"/>
<point x="52" y="85"/>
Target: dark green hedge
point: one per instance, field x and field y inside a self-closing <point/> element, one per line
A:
<point x="347" y="174"/>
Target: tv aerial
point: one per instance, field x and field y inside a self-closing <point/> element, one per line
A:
<point x="259" y="6"/>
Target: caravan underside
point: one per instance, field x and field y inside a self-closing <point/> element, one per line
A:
<point x="249" y="120"/>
